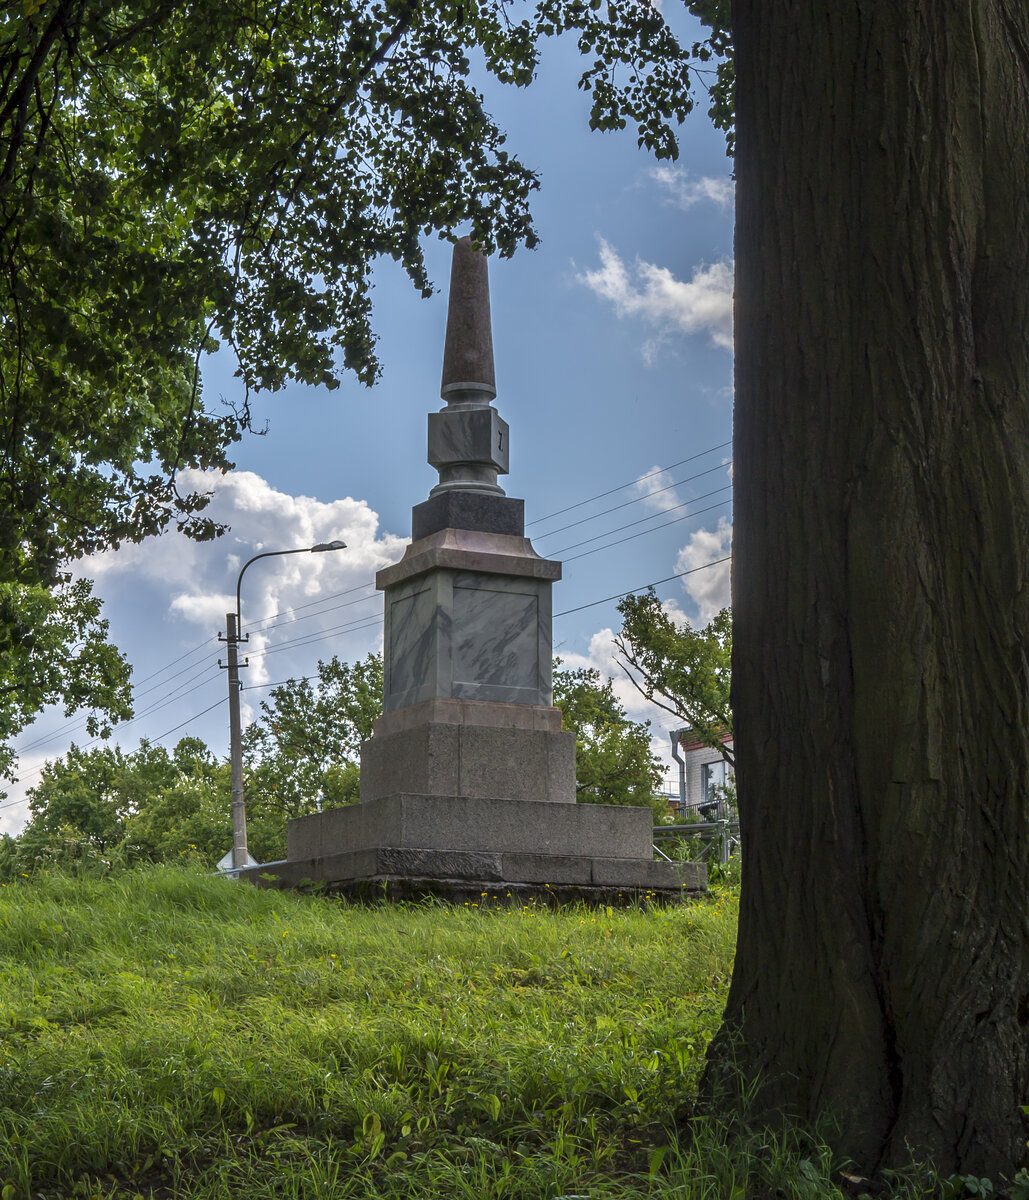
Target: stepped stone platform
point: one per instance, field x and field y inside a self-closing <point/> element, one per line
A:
<point x="407" y="845"/>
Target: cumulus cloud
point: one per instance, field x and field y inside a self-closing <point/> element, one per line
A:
<point x="653" y="294"/>
<point x="684" y="192"/>
<point x="656" y="490"/>
<point x="198" y="579"/>
<point x="708" y="589"/>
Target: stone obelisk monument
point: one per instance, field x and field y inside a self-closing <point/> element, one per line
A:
<point x="468" y="783"/>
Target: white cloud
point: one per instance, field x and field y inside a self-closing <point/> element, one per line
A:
<point x="708" y="589"/>
<point x="198" y="579"/>
<point x="684" y="192"/>
<point x="655" y="488"/>
<point x="653" y="294"/>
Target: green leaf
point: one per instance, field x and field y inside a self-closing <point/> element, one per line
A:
<point x="656" y="1159"/>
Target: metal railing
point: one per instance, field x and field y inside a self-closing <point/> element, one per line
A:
<point x="721" y="835"/>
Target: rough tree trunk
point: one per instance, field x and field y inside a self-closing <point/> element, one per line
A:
<point x="881" y="573"/>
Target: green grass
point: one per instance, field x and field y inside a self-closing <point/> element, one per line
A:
<point x="170" y="1034"/>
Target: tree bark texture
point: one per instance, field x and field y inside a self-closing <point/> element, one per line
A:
<point x="880" y="590"/>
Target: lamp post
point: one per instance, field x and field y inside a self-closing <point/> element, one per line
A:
<point x="233" y="626"/>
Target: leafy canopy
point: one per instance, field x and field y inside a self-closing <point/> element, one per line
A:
<point x="176" y="173"/>
<point x="683" y="670"/>
<point x="54" y="649"/>
<point x="614" y="762"/>
<point x="304" y="751"/>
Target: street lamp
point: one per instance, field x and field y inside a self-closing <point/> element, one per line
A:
<point x="233" y="625"/>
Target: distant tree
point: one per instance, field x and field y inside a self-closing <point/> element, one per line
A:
<point x="82" y="796"/>
<point x="683" y="670"/>
<point x="303" y="751"/>
<point x="183" y="806"/>
<point x="104" y="807"/>
<point x="614" y="762"/>
<point x="54" y="650"/>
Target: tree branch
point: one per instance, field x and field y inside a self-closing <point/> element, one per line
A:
<point x="18" y="104"/>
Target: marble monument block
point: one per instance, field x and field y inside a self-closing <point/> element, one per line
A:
<point x="466" y="436"/>
<point x="466" y="632"/>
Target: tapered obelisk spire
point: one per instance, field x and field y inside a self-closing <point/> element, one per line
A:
<point x="468" y="352"/>
<point x="468" y="439"/>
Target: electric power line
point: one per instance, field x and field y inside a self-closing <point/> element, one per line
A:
<point x="635" y="500"/>
<point x="125" y="724"/>
<point x="566" y="612"/>
<point x="188" y="721"/>
<point x="642" y="520"/>
<point x="611" y="491"/>
<point x="310" y="639"/>
<point x="161" y="670"/>
<point x="630" y="537"/>
<point x="298" y="643"/>
<point x="643" y="586"/>
<point x="82" y="722"/>
<point x="309" y="616"/>
<point x="309" y="604"/>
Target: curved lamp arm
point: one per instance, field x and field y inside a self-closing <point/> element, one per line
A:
<point x="320" y="548"/>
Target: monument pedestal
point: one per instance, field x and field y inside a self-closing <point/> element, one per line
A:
<point x="407" y="845"/>
<point x="484" y="750"/>
<point x="468" y="784"/>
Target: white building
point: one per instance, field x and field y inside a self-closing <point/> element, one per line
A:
<point x="703" y="774"/>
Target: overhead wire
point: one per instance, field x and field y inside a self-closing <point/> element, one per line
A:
<point x="261" y="625"/>
<point x="310" y="639"/>
<point x="652" y="517"/>
<point x="643" y="586"/>
<point x="634" y="500"/>
<point x="82" y="722"/>
<point x="160" y="670"/>
<point x="611" y="491"/>
<point x="632" y="536"/>
<point x="564" y="613"/>
<point x="188" y="720"/>
<point x="178" y="695"/>
<point x="310" y="604"/>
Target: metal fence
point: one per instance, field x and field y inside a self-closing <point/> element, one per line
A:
<point x="718" y="840"/>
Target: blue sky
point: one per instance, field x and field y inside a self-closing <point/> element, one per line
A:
<point x="612" y="342"/>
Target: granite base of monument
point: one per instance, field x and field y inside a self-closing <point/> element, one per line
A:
<point x="410" y="844"/>
<point x="474" y="748"/>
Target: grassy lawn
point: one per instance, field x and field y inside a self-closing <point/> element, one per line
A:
<point x="169" y="1034"/>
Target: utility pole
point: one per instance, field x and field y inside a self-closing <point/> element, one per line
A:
<point x="233" y="624"/>
<point x="239" y="812"/>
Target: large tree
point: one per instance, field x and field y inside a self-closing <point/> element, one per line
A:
<point x="880" y="606"/>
